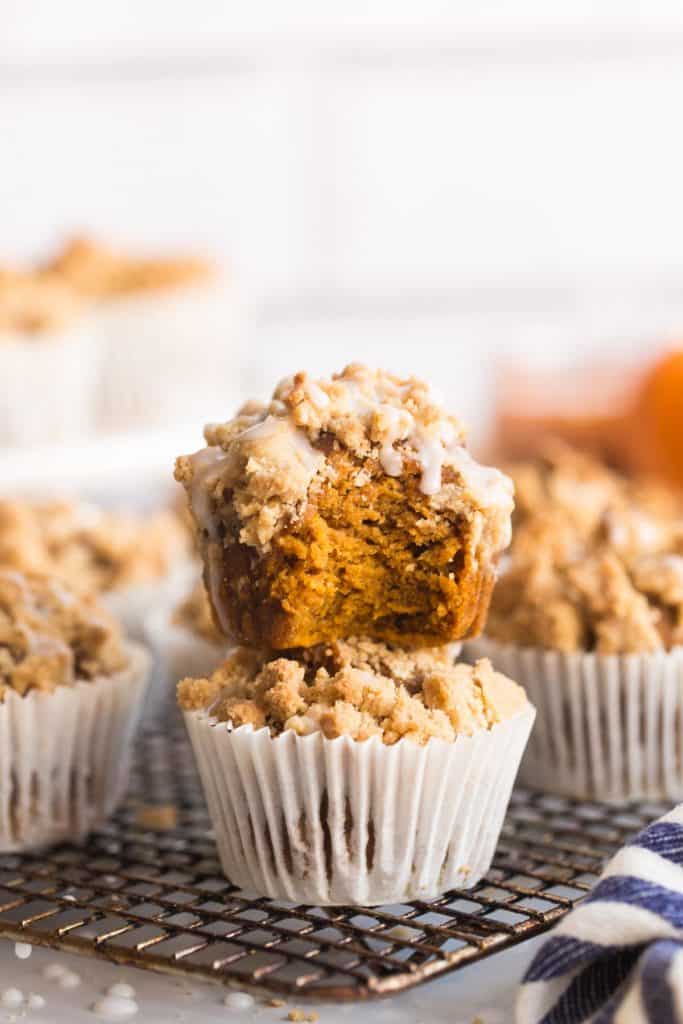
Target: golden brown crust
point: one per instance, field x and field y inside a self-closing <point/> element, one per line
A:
<point x="92" y="550"/>
<point x="49" y="637"/>
<point x="313" y="525"/>
<point x="595" y="561"/>
<point x="99" y="272"/>
<point x="360" y="689"/>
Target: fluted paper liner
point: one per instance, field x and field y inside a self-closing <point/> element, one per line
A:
<point x="312" y="820"/>
<point x="609" y="726"/>
<point x="65" y="756"/>
<point x="178" y="652"/>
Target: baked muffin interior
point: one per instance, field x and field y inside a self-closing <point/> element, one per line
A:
<point x="346" y="506"/>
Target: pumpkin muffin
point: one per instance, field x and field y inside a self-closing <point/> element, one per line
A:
<point x="71" y="690"/>
<point x="588" y="616"/>
<point x="346" y="506"/>
<point x="98" y="271"/>
<point x="355" y="772"/>
<point x="131" y="561"/>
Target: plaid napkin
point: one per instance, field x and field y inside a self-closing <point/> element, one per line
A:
<point x="618" y="957"/>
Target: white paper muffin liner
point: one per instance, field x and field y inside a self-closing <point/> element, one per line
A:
<point x="65" y="756"/>
<point x="609" y="727"/>
<point x="312" y="820"/>
<point x="132" y="605"/>
<point x="169" y="354"/>
<point x="48" y="387"/>
<point x="178" y="652"/>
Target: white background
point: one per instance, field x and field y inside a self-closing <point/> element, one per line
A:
<point x="429" y="185"/>
<point x="421" y="183"/>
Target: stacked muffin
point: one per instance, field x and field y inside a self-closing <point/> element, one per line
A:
<point x="349" y="541"/>
<point x="589" y="616"/>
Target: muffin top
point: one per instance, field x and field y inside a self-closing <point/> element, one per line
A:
<point x="357" y="688"/>
<point x="50" y="636"/>
<point x="596" y="560"/>
<point x="100" y="272"/>
<point x="194" y="613"/>
<point x="270" y="456"/>
<point x="32" y="306"/>
<point x="87" y="547"/>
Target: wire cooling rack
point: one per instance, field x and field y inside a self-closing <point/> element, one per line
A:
<point x="147" y="890"/>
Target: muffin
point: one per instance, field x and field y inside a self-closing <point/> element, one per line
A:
<point x="344" y="507"/>
<point x="71" y="690"/>
<point x="186" y="642"/>
<point x="355" y="772"/>
<point x="132" y="562"/>
<point x="48" y="361"/>
<point x="588" y="615"/>
<point x="168" y="326"/>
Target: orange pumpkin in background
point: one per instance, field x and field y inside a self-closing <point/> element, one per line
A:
<point x="657" y="420"/>
<point x="632" y="420"/>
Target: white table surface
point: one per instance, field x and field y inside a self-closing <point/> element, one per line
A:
<point x="485" y="990"/>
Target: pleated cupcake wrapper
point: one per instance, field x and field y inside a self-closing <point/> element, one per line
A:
<point x="132" y="605"/>
<point x="609" y="727"/>
<point x="48" y="387"/>
<point x="178" y="652"/>
<point x="65" y="756"/>
<point x="170" y="350"/>
<point x="311" y="820"/>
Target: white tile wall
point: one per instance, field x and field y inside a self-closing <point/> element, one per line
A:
<point x="513" y="173"/>
<point x="367" y="167"/>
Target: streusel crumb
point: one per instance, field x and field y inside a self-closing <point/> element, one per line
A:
<point x="31" y="306"/>
<point x="88" y="547"/>
<point x="194" y="613"/>
<point x="357" y="688"/>
<point x="100" y="272"/>
<point x="596" y="561"/>
<point x="50" y="637"/>
<point x="346" y="506"/>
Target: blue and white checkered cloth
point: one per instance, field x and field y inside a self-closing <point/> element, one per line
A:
<point x="618" y="957"/>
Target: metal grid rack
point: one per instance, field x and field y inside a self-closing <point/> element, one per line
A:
<point x="156" y="898"/>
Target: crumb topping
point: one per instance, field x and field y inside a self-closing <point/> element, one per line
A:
<point x="596" y="561"/>
<point x="51" y="637"/>
<point x="32" y="306"/>
<point x="194" y="613"/>
<point x="100" y="272"/>
<point x="357" y="688"/>
<point x="269" y="456"/>
<point x="89" y="548"/>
